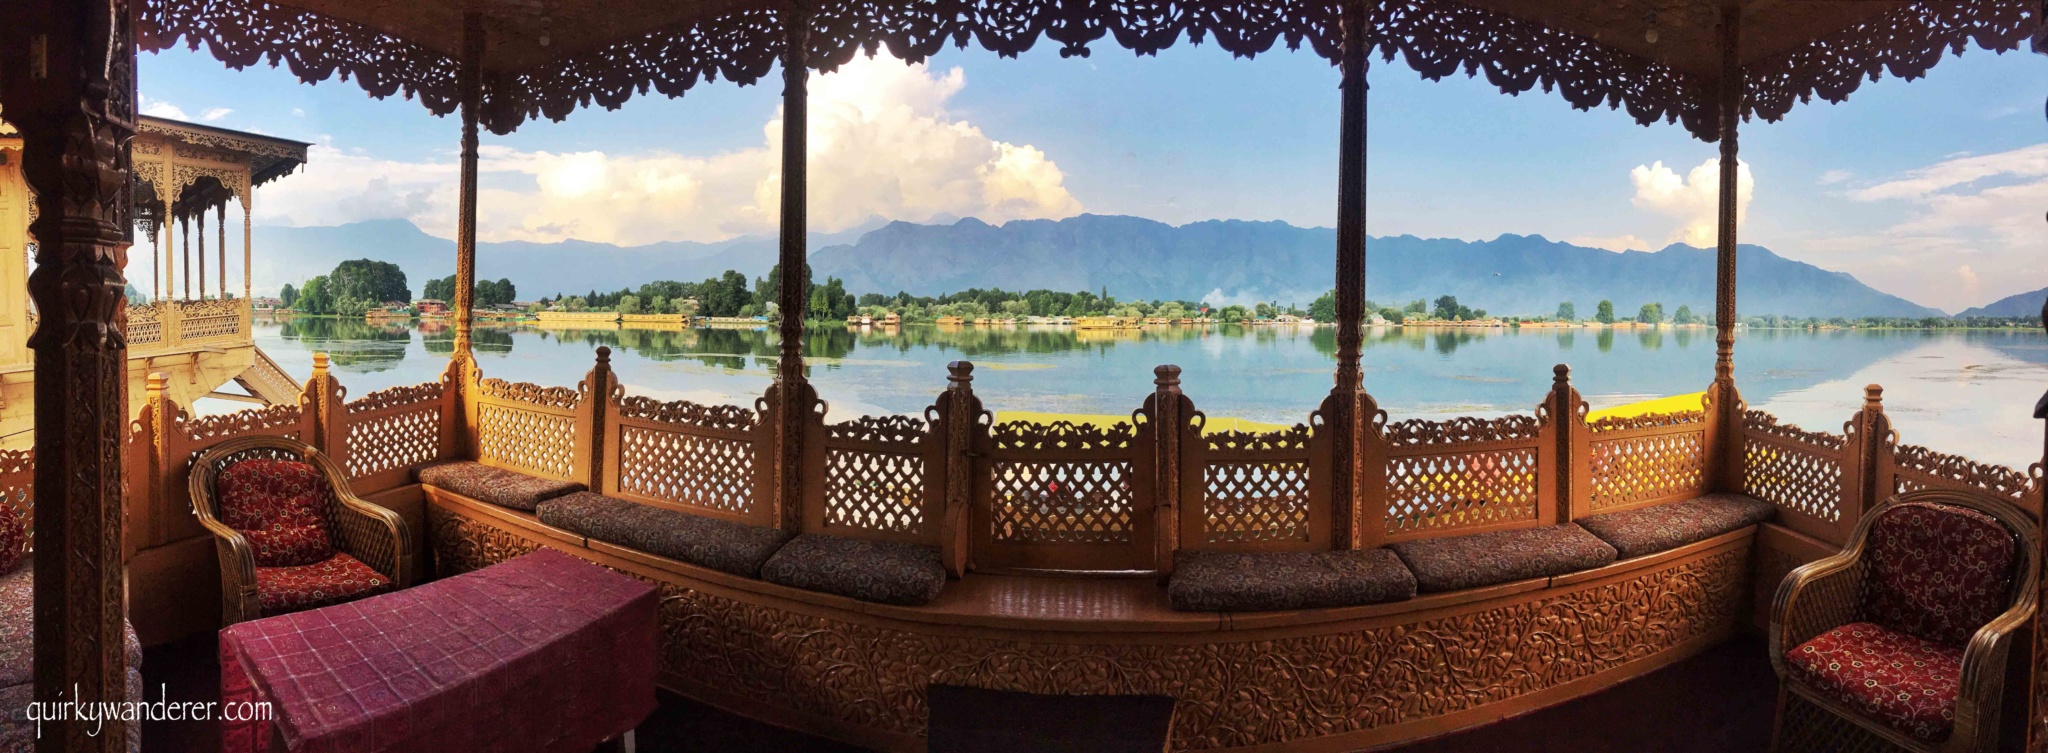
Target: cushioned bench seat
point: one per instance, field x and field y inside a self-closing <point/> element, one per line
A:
<point x="885" y="572"/>
<point x="1270" y="581"/>
<point x="494" y="485"/>
<point x="1648" y="530"/>
<point x="735" y="548"/>
<point x="1485" y="559"/>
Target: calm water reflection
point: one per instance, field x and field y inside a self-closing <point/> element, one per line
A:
<point x="1965" y="392"/>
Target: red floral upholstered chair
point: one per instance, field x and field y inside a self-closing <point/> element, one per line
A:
<point x="1900" y="641"/>
<point x="290" y="534"/>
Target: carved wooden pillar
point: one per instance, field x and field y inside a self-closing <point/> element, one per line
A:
<point x="69" y="88"/>
<point x="246" y="275"/>
<point x="470" y="80"/>
<point x="185" y="231"/>
<point x="159" y="227"/>
<point x="1725" y="401"/>
<point x="1574" y="469"/>
<point x="221" y="223"/>
<point x="1342" y="408"/>
<point x="792" y="388"/>
<point x="202" y="252"/>
<point x="1171" y="411"/>
<point x="170" y="221"/>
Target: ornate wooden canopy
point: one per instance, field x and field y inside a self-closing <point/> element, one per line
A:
<point x="1659" y="59"/>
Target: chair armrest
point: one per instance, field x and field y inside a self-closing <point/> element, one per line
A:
<point x="1980" y="699"/>
<point x="1813" y="599"/>
<point x="375" y="535"/>
<point x="238" y="597"/>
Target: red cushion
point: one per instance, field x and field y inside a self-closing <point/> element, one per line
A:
<point x="1937" y="571"/>
<point x="1905" y="682"/>
<point x="281" y="507"/>
<point x="339" y="578"/>
<point x="13" y="536"/>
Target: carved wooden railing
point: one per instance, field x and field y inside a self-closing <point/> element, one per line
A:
<point x="541" y="431"/>
<point x="1810" y="476"/>
<point x="1460" y="476"/>
<point x="1637" y="461"/>
<point x="706" y="459"/>
<point x="170" y="325"/>
<point x="874" y="479"/>
<point x="1065" y="497"/>
<point x="1254" y="491"/>
<point x="379" y="438"/>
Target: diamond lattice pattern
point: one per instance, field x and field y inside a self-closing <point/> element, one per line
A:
<point x="537" y="442"/>
<point x="877" y="491"/>
<point x="395" y="441"/>
<point x="1635" y="469"/>
<point x="1256" y="501"/>
<point x="1792" y="479"/>
<point x="1063" y="502"/>
<point x="1434" y="492"/>
<point x="709" y="472"/>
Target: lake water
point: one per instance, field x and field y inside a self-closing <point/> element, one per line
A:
<point x="1970" y="393"/>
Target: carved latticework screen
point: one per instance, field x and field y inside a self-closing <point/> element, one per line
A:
<point x="145" y="325"/>
<point x="1066" y="496"/>
<point x="1255" y="494"/>
<point x="1643" y="460"/>
<point x="878" y="480"/>
<point x="389" y="432"/>
<point x="528" y="428"/>
<point x="704" y="459"/>
<point x="1464" y="475"/>
<point x="1908" y="468"/>
<point x="1802" y="472"/>
<point x="199" y="320"/>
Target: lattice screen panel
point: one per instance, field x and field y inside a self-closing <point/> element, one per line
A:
<point x="1256" y="501"/>
<point x="877" y="491"/>
<point x="1634" y="469"/>
<point x="1063" y="502"/>
<point x="1802" y="481"/>
<point x="709" y="472"/>
<point x="539" y="442"/>
<point x="1465" y="490"/>
<point x="395" y="441"/>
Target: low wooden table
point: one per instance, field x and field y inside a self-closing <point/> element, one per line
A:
<point x="544" y="653"/>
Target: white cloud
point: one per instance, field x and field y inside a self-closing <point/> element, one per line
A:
<point x="1693" y="199"/>
<point x="1833" y="177"/>
<point x="1615" y="243"/>
<point x="298" y="113"/>
<point x="1979" y="215"/>
<point x="214" y="114"/>
<point x="882" y="143"/>
<point x="161" y="109"/>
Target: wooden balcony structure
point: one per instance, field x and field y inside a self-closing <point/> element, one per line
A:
<point x="202" y="340"/>
<point x="1039" y="604"/>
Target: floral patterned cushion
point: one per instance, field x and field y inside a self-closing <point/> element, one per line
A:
<point x="1267" y="581"/>
<point x="885" y="572"/>
<point x="18" y="631"/>
<point x="340" y="578"/>
<point x="281" y="507"/>
<point x="1648" y="530"/>
<point x="1937" y="571"/>
<point x="1484" y="559"/>
<point x="1895" y="678"/>
<point x="735" y="548"/>
<point x="13" y="536"/>
<point x="494" y="485"/>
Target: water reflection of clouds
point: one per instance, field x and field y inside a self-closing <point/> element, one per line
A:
<point x="1990" y="420"/>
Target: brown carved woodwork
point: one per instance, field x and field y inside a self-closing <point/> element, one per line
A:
<point x="69" y="89"/>
<point x="1647" y="459"/>
<point x="1067" y="497"/>
<point x="703" y="459"/>
<point x="876" y="480"/>
<point x="1809" y="476"/>
<point x="960" y="418"/>
<point x="1254" y="492"/>
<point x="530" y="428"/>
<point x="469" y="84"/>
<point x="1728" y="116"/>
<point x="1465" y="475"/>
<point x="1308" y="683"/>
<point x="794" y="410"/>
<point x="1341" y="410"/>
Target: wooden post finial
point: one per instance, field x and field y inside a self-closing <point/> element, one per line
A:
<point x="1166" y="377"/>
<point x="960" y="375"/>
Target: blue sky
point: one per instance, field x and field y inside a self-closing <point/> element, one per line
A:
<point x="1932" y="189"/>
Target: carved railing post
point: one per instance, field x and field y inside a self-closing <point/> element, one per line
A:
<point x="597" y="389"/>
<point x="959" y="416"/>
<point x="68" y="86"/>
<point x="1360" y="520"/>
<point x="1572" y="472"/>
<point x="795" y="392"/>
<point x="328" y="401"/>
<point x="1866" y="459"/>
<point x="1172" y="414"/>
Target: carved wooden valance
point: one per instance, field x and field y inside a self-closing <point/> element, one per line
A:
<point x="1654" y="58"/>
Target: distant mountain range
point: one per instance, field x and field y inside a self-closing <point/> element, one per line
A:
<point x="2024" y="304"/>
<point x="1219" y="260"/>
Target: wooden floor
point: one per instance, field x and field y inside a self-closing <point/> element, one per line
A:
<point x="1720" y="701"/>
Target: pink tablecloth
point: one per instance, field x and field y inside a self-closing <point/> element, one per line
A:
<point x="542" y="653"/>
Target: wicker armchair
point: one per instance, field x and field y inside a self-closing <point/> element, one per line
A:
<point x="371" y="535"/>
<point x="1838" y="611"/>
